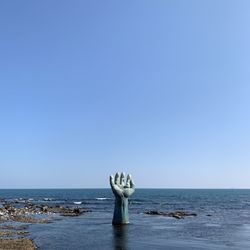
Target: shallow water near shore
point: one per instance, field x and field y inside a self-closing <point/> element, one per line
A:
<point x="222" y="221"/>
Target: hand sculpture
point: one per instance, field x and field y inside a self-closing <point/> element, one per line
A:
<point x="121" y="191"/>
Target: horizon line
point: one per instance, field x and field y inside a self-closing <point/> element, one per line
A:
<point x="194" y="188"/>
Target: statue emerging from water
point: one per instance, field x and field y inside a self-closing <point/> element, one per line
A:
<point x="122" y="190"/>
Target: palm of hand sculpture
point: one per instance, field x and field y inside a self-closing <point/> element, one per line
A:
<point x="122" y="190"/>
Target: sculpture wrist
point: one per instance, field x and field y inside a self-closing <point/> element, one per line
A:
<point x="121" y="211"/>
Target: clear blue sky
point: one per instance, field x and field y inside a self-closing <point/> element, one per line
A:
<point x="159" y="89"/>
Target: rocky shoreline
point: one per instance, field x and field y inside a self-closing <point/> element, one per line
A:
<point x="14" y="237"/>
<point x="29" y="212"/>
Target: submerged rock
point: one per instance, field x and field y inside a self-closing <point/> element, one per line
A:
<point x="64" y="211"/>
<point x="176" y="214"/>
<point x="12" y="227"/>
<point x="27" y="219"/>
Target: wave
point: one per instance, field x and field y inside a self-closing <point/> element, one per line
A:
<point x="102" y="198"/>
<point x="135" y="202"/>
<point x="77" y="202"/>
<point x="246" y="202"/>
<point x="19" y="200"/>
<point x="47" y="199"/>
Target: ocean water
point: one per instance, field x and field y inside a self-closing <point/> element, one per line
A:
<point x="222" y="221"/>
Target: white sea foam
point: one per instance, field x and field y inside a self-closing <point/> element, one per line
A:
<point x="77" y="202"/>
<point x="102" y="198"/>
<point x="47" y="199"/>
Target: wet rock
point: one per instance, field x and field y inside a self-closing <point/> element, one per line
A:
<point x="45" y="209"/>
<point x="9" y="230"/>
<point x="6" y="233"/>
<point x="26" y="219"/>
<point x="11" y="227"/>
<point x="28" y="211"/>
<point x="64" y="211"/>
<point x="74" y="212"/>
<point x="12" y="233"/>
<point x="18" y="243"/>
<point x="9" y="208"/>
<point x="154" y="212"/>
<point x="176" y="214"/>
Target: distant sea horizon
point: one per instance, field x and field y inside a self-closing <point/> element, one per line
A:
<point x="160" y="188"/>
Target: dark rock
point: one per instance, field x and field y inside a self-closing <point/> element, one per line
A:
<point x="176" y="214"/>
<point x="11" y="227"/>
<point x="154" y="212"/>
<point x="44" y="209"/>
<point x="26" y="219"/>
<point x="74" y="212"/>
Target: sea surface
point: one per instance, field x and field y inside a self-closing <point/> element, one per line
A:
<point x="222" y="221"/>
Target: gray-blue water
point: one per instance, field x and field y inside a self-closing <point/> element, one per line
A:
<point x="222" y="222"/>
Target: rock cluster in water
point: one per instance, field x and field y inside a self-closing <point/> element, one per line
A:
<point x="176" y="214"/>
<point x="26" y="213"/>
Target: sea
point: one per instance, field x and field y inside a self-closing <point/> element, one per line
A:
<point x="222" y="221"/>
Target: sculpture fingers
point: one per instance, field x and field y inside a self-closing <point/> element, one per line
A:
<point x="117" y="178"/>
<point x="111" y="181"/>
<point x="132" y="184"/>
<point x="122" y="180"/>
<point x="115" y="185"/>
<point x="128" y="181"/>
